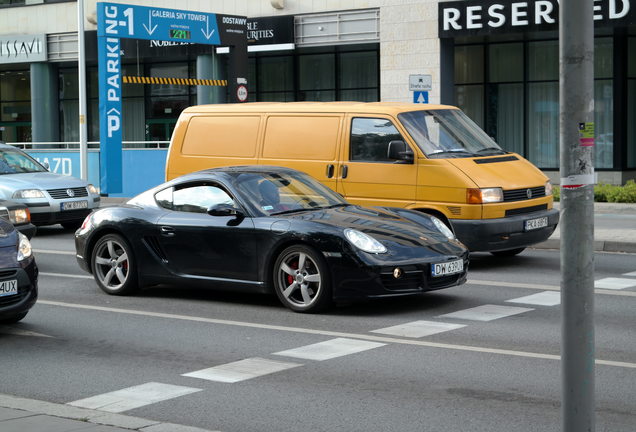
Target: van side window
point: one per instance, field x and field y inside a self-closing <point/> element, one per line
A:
<point x="370" y="139"/>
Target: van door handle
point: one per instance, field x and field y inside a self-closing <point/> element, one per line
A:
<point x="167" y="231"/>
<point x="345" y="171"/>
<point x="330" y="170"/>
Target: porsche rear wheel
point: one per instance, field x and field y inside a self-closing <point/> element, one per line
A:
<point x="301" y="279"/>
<point x="114" y="266"/>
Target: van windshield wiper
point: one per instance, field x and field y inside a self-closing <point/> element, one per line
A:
<point x="494" y="149"/>
<point x="458" y="152"/>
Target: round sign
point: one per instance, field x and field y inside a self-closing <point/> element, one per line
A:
<point x="241" y="93"/>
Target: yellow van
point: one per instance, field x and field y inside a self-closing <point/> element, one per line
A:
<point x="430" y="158"/>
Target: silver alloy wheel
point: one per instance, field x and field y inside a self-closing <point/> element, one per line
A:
<point x="299" y="279"/>
<point x="111" y="264"/>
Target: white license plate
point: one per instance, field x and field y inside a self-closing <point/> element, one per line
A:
<point x="74" y="205"/>
<point x="8" y="288"/>
<point x="532" y="224"/>
<point x="447" y="268"/>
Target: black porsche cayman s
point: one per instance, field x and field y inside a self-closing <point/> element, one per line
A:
<point x="264" y="229"/>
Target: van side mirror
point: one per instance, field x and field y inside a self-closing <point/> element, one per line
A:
<point x="398" y="150"/>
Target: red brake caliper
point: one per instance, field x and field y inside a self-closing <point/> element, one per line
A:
<point x="290" y="278"/>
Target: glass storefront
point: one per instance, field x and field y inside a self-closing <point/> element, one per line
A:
<point x="511" y="89"/>
<point x="631" y="102"/>
<point x="15" y="106"/>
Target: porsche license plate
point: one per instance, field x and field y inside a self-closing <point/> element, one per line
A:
<point x="532" y="224"/>
<point x="447" y="268"/>
<point x="9" y="287"/>
<point x="74" y="205"/>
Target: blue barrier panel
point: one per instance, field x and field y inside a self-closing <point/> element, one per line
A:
<point x="141" y="168"/>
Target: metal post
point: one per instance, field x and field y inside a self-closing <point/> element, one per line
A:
<point x="576" y="52"/>
<point x="81" y="78"/>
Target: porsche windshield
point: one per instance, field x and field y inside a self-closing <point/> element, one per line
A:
<point x="448" y="133"/>
<point x="13" y="161"/>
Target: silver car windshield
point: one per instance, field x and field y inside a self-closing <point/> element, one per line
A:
<point x="448" y="133"/>
<point x="13" y="161"/>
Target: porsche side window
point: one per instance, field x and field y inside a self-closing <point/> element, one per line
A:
<point x="370" y="139"/>
<point x="164" y="198"/>
<point x="199" y="198"/>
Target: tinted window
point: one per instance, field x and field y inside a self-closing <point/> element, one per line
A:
<point x="195" y="198"/>
<point x="370" y="138"/>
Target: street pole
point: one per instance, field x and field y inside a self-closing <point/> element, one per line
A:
<point x="576" y="59"/>
<point x="81" y="78"/>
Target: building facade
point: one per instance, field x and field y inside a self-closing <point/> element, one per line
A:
<point x="498" y="61"/>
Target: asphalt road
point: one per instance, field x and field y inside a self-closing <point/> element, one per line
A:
<point x="359" y="367"/>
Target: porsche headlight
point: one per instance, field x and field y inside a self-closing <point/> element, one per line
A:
<point x="364" y="241"/>
<point x="92" y="189"/>
<point x="441" y="226"/>
<point x="24" y="248"/>
<point x="28" y="193"/>
<point x="19" y="216"/>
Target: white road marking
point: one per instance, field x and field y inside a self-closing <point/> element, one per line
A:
<point x="486" y="312"/>
<point x="241" y="370"/>
<point x="630" y="274"/>
<point x="301" y="330"/>
<point x="330" y="349"/>
<point x="72" y="276"/>
<point x="614" y="283"/>
<point x="545" y="298"/>
<point x="133" y="397"/>
<point x="546" y="287"/>
<point x="418" y="329"/>
<point x="54" y="252"/>
<point x="20" y="332"/>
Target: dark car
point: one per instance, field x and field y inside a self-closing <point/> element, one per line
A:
<point x="267" y="229"/>
<point x="19" y="215"/>
<point x="18" y="274"/>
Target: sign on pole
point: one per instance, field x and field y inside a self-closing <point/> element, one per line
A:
<point x="420" y="97"/>
<point x="420" y="83"/>
<point x="116" y="21"/>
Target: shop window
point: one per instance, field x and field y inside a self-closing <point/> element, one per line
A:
<point x="631" y="103"/>
<point x="505" y="62"/>
<point x="543" y="124"/>
<point x="275" y="81"/>
<point x="469" y="64"/>
<point x="316" y="77"/>
<point x="505" y="116"/>
<point x="470" y="98"/>
<point x="543" y="60"/>
<point x="357" y="78"/>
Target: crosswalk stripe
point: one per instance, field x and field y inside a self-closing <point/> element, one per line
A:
<point x="51" y="251"/>
<point x="241" y="370"/>
<point x="330" y="349"/>
<point x="486" y="312"/>
<point x="133" y="397"/>
<point x="418" y="329"/>
<point x="630" y="274"/>
<point x="65" y="275"/>
<point x="545" y="298"/>
<point x="615" y="283"/>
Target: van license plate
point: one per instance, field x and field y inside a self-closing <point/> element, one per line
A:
<point x="447" y="268"/>
<point x="8" y="288"/>
<point x="74" y="205"/>
<point x="533" y="224"/>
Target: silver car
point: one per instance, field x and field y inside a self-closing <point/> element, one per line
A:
<point x="51" y="198"/>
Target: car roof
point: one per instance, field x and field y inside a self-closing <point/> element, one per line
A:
<point x="313" y="107"/>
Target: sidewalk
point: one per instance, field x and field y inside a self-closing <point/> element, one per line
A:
<point x="20" y="414"/>
<point x="609" y="235"/>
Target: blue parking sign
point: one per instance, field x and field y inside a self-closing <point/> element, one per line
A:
<point x="420" y="97"/>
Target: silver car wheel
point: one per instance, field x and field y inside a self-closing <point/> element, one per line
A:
<point x="299" y="279"/>
<point x="111" y="264"/>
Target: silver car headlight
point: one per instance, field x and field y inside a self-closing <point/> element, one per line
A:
<point x="92" y="189"/>
<point x="24" y="248"/>
<point x="364" y="241"/>
<point x="443" y="228"/>
<point x="28" y="193"/>
<point x="19" y="216"/>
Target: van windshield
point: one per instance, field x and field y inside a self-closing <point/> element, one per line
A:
<point x="448" y="133"/>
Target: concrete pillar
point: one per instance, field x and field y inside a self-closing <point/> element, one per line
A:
<point x="45" y="124"/>
<point x="211" y="66"/>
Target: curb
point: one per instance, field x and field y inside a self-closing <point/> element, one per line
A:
<point x="599" y="246"/>
<point x="85" y="415"/>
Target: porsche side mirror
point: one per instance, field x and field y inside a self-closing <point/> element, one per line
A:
<point x="398" y="150"/>
<point x="225" y="210"/>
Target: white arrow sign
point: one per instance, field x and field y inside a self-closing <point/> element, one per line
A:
<point x="150" y="29"/>
<point x="207" y="33"/>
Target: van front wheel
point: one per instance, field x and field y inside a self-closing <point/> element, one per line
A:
<point x="508" y="253"/>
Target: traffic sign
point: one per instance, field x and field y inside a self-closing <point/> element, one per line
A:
<point x="241" y="93"/>
<point x="420" y="83"/>
<point x="142" y="22"/>
<point x="420" y="97"/>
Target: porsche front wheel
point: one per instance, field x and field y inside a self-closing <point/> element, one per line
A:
<point x="114" y="266"/>
<point x="302" y="280"/>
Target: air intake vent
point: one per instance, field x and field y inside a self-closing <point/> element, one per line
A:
<point x="77" y="192"/>
<point x="455" y="211"/>
<point x="155" y="247"/>
<point x="496" y="160"/>
<point x="524" y="210"/>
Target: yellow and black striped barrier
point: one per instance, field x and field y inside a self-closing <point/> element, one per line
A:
<point x="174" y="81"/>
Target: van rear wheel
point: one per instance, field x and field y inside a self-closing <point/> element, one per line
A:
<point x="508" y="252"/>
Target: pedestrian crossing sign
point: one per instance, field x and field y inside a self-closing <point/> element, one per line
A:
<point x="420" y="97"/>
